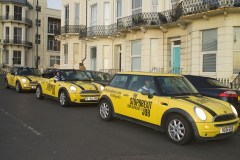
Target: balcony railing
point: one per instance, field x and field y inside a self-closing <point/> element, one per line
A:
<point x="16" y="19"/>
<point x="54" y="31"/>
<point x="72" y="29"/>
<point x="17" y="42"/>
<point x="102" y="30"/>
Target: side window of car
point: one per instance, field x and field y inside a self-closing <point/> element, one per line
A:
<point x="119" y="81"/>
<point x="89" y="74"/>
<point x="140" y="83"/>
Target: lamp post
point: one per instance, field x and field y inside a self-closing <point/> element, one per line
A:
<point x="37" y="37"/>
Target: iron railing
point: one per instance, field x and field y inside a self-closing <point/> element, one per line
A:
<point x="18" y="42"/>
<point x="176" y="71"/>
<point x="16" y="19"/>
<point x="102" y="30"/>
<point x="54" y="31"/>
<point x="235" y="84"/>
<point x="111" y="71"/>
<point x="72" y="29"/>
<point x="224" y="81"/>
<point x="157" y="70"/>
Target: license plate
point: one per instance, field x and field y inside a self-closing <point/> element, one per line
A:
<point x="227" y="129"/>
<point x="33" y="87"/>
<point x="91" y="98"/>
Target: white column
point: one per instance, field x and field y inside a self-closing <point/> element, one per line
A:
<point x="1" y="49"/>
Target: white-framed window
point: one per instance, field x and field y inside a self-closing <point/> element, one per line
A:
<point x="52" y="45"/>
<point x="65" y="54"/>
<point x="209" y="50"/>
<point x="17" y="39"/>
<point x="93" y="58"/>
<point x="17" y="58"/>
<point x="93" y="20"/>
<point x="76" y="53"/>
<point x="77" y="7"/>
<point x="7" y="12"/>
<point x="67" y="15"/>
<point x="38" y="8"/>
<point x="154" y="53"/>
<point x="7" y="34"/>
<point x="106" y="11"/>
<point x="236" y="50"/>
<point x="54" y="60"/>
<point x="119" y="8"/>
<point x="105" y="58"/>
<point x="154" y="6"/>
<point x="136" y="55"/>
<point x="136" y="6"/>
<point x="52" y="26"/>
<point x="38" y="22"/>
<point x="37" y="39"/>
<point x="17" y="13"/>
<point x="6" y="57"/>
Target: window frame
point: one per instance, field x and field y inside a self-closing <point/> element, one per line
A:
<point x="117" y="1"/>
<point x="17" y="57"/>
<point x="39" y="23"/>
<point x="75" y="6"/>
<point x="17" y="13"/>
<point x="152" y="6"/>
<point x="234" y="49"/>
<point x="126" y="84"/>
<point x="131" y="63"/>
<point x="91" y="59"/>
<point x="66" y="16"/>
<point x="19" y="37"/>
<point x="106" y="58"/>
<point x="7" y="13"/>
<point x="91" y="13"/>
<point x="135" y="9"/>
<point x="55" y="59"/>
<point x="109" y="13"/>
<point x="65" y="54"/>
<point x="37" y="39"/>
<point x="7" y="37"/>
<point x="6" y="58"/>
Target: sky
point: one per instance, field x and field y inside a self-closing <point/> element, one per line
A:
<point x="56" y="4"/>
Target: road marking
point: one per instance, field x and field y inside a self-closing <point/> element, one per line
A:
<point x="23" y="124"/>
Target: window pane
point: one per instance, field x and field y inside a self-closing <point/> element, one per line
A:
<point x="136" y="4"/>
<point x="52" y="62"/>
<point x="93" y="64"/>
<point x="154" y="46"/>
<point x="6" y="59"/>
<point x="236" y="63"/>
<point x="136" y="63"/>
<point x="93" y="52"/>
<point x="119" y="9"/>
<point x="209" y="62"/>
<point x="154" y="2"/>
<point x="136" y="48"/>
<point x="119" y="81"/>
<point x="236" y="38"/>
<point x="106" y="10"/>
<point x="210" y="40"/>
<point x="154" y="8"/>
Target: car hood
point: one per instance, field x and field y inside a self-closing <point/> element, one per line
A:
<point x="83" y="85"/>
<point x="31" y="78"/>
<point x="212" y="106"/>
<point x="103" y="83"/>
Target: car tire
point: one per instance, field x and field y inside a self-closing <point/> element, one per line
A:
<point x="6" y="84"/>
<point x="179" y="130"/>
<point x="105" y="110"/>
<point x="63" y="99"/>
<point x="39" y="93"/>
<point x="18" y="87"/>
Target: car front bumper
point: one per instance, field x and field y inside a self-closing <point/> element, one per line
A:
<point x="211" y="131"/>
<point x="79" y="98"/>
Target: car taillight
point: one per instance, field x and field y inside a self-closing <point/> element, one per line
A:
<point x="228" y="94"/>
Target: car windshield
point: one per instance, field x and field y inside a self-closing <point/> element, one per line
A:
<point x="216" y="83"/>
<point x="73" y="75"/>
<point x="28" y="72"/>
<point x="171" y="86"/>
<point x="99" y="76"/>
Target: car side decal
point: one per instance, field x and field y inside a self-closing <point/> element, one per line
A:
<point x="77" y="85"/>
<point x="202" y="106"/>
<point x="28" y="78"/>
<point x="95" y="86"/>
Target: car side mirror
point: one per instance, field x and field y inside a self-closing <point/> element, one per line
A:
<point x="147" y="93"/>
<point x="52" y="80"/>
<point x="92" y="79"/>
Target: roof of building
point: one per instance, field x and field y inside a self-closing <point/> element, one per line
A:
<point x="23" y="2"/>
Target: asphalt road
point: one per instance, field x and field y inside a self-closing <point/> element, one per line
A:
<point x="42" y="129"/>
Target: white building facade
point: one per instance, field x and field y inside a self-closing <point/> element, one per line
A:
<point x="18" y="38"/>
<point x="196" y="37"/>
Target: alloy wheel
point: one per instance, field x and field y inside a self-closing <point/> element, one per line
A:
<point x="62" y="98"/>
<point x="38" y="92"/>
<point x="104" y="110"/>
<point x="176" y="130"/>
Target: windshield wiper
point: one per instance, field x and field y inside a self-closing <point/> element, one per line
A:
<point x="182" y="94"/>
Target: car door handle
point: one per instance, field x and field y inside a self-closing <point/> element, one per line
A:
<point x="125" y="95"/>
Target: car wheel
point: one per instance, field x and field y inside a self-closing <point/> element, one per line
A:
<point x="18" y="87"/>
<point x="6" y="84"/>
<point x="179" y="130"/>
<point x="39" y="92"/>
<point x="105" y="110"/>
<point x="63" y="99"/>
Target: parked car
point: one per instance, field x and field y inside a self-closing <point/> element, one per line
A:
<point x="73" y="87"/>
<point x="99" y="77"/>
<point x="49" y="73"/>
<point x="167" y="103"/>
<point x="213" y="88"/>
<point x="22" y="78"/>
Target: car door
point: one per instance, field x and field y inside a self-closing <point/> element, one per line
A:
<point x="12" y="76"/>
<point x="138" y="106"/>
<point x="115" y="92"/>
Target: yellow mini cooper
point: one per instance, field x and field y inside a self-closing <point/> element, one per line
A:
<point x="22" y="78"/>
<point x="69" y="87"/>
<point x="167" y="103"/>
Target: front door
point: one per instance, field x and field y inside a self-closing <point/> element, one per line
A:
<point x="176" y="60"/>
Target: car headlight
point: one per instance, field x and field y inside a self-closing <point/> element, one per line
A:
<point x="24" y="80"/>
<point x="234" y="109"/>
<point x="200" y="114"/>
<point x="73" y="89"/>
<point x="102" y="88"/>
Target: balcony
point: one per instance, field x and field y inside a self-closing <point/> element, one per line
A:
<point x="54" y="32"/>
<point x="102" y="30"/>
<point x="72" y="29"/>
<point x="17" y="42"/>
<point x="16" y="19"/>
<point x="22" y="2"/>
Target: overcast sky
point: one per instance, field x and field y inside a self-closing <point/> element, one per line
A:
<point x="56" y="4"/>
